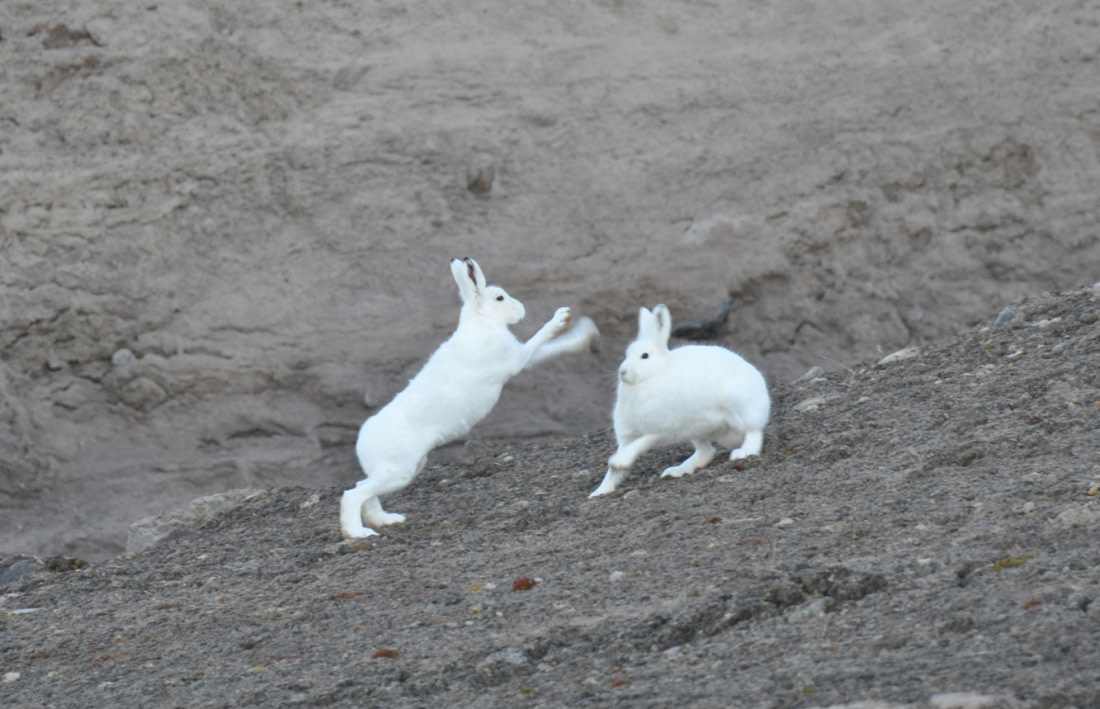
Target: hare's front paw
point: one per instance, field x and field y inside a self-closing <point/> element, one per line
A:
<point x="610" y="481"/>
<point x="561" y="319"/>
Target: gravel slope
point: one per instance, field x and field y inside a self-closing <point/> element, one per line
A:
<point x="914" y="529"/>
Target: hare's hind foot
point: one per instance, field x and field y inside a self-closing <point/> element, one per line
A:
<point x="753" y="443"/>
<point x="378" y="517"/>
<point x="353" y="504"/>
<point x="359" y="532"/>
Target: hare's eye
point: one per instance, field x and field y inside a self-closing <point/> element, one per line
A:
<point x="645" y="355"/>
<point x="500" y="298"/>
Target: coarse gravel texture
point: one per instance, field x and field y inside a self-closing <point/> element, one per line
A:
<point x="919" y="532"/>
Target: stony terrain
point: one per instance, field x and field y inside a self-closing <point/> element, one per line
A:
<point x="919" y="532"/>
<point x="224" y="230"/>
<point x="223" y="225"/>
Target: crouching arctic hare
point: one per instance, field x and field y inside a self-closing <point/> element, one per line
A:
<point x="697" y="393"/>
<point x="456" y="388"/>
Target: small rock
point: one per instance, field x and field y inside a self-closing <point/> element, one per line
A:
<point x="1079" y="601"/>
<point x="524" y="583"/>
<point x="500" y="665"/>
<point x="814" y="609"/>
<point x="811" y="374"/>
<point x="811" y="404"/>
<point x="509" y="656"/>
<point x="143" y="394"/>
<point x="10" y="677"/>
<point x="61" y="564"/>
<point x="617" y="575"/>
<point x="591" y="686"/>
<point x="704" y="328"/>
<point x="1004" y="317"/>
<point x="785" y="522"/>
<point x="972" y="700"/>
<point x="902" y="354"/>
<point x="480" y="172"/>
<point x="122" y="357"/>
<point x="18" y="568"/>
<point x="1084" y="514"/>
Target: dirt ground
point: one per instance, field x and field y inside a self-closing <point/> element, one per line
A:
<point x="918" y="532"/>
<point x="224" y="236"/>
<point x="224" y="225"/>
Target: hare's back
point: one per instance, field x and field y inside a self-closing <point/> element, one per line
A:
<point x="713" y="364"/>
<point x="713" y="377"/>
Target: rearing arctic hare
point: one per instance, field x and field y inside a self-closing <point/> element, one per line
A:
<point x="456" y="388"/>
<point x="700" y="393"/>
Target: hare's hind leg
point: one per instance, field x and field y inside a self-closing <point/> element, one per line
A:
<point x="361" y="502"/>
<point x="751" y="445"/>
<point x="704" y="453"/>
<point x="375" y="515"/>
<point x="351" y="513"/>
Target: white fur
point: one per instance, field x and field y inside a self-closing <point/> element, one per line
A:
<point x="456" y="388"/>
<point x="697" y="393"/>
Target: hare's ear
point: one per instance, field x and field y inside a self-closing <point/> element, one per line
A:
<point x="646" y="325"/>
<point x="662" y="323"/>
<point x="475" y="274"/>
<point x="465" y="278"/>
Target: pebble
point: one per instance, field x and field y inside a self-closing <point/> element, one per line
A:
<point x="480" y="172"/>
<point x="10" y="677"/>
<point x="814" y="609"/>
<point x="18" y="569"/>
<point x="1081" y="515"/>
<point x="785" y="522"/>
<point x="811" y="404"/>
<point x="508" y="656"/>
<point x="902" y="354"/>
<point x="1004" y="317"/>
<point x="972" y="700"/>
<point x="122" y="357"/>
<point x="811" y="374"/>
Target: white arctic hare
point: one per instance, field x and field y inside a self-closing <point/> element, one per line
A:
<point x="699" y="393"/>
<point x="456" y="388"/>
